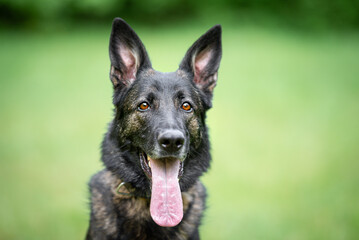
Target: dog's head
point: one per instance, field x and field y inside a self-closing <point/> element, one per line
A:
<point x="159" y="135"/>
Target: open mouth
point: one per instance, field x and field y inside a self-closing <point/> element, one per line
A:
<point x="166" y="205"/>
<point x="146" y="165"/>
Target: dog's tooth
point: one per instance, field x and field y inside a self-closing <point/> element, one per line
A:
<point x="149" y="163"/>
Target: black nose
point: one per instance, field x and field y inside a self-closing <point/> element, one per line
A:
<point x="171" y="140"/>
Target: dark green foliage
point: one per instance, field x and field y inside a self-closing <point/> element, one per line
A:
<point x="302" y="13"/>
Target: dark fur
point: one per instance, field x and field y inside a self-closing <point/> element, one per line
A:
<point x="116" y="216"/>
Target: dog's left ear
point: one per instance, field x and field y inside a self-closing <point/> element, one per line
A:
<point x="127" y="54"/>
<point x="203" y="58"/>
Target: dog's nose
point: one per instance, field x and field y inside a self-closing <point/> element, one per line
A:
<point x="171" y="140"/>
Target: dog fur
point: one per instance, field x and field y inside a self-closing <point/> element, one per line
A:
<point x="158" y="118"/>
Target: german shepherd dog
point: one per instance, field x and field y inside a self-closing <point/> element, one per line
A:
<point x="156" y="147"/>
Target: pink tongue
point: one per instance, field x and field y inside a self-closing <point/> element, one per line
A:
<point x="166" y="200"/>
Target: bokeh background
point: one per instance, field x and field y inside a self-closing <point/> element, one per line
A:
<point x="284" y="127"/>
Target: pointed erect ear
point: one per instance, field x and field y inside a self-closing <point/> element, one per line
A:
<point x="203" y="58"/>
<point x="127" y="54"/>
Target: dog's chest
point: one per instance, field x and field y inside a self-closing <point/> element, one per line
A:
<point x="134" y="219"/>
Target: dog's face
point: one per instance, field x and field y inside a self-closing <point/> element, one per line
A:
<point x="158" y="138"/>
<point x="162" y="116"/>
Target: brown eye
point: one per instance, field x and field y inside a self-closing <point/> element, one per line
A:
<point x="143" y="106"/>
<point x="187" y="107"/>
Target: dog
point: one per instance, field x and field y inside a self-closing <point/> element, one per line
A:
<point x="157" y="145"/>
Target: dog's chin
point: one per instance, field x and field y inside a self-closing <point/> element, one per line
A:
<point x="166" y="206"/>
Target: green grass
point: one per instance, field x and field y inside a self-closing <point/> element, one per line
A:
<point x="284" y="131"/>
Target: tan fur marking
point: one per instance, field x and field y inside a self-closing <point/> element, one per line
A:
<point x="149" y="72"/>
<point x="138" y="209"/>
<point x="104" y="219"/>
<point x="192" y="196"/>
<point x="133" y="123"/>
<point x="115" y="75"/>
<point x="193" y="127"/>
<point x="181" y="73"/>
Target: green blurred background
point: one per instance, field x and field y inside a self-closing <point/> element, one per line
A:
<point x="284" y="127"/>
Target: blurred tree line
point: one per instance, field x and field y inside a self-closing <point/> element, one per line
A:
<point x="27" y="13"/>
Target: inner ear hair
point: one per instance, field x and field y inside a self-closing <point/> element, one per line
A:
<point x="200" y="63"/>
<point x="129" y="65"/>
<point x="130" y="60"/>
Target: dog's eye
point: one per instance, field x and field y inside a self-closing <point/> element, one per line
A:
<point x="143" y="106"/>
<point x="187" y="107"/>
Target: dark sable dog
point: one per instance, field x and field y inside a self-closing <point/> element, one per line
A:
<point x="157" y="146"/>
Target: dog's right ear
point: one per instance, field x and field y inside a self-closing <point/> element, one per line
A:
<point x="127" y="54"/>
